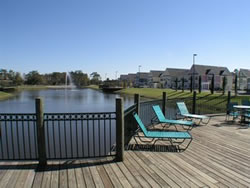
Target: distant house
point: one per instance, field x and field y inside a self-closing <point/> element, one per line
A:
<point x="172" y="77"/>
<point x="128" y="79"/>
<point x="154" y="78"/>
<point x="244" y="79"/>
<point x="207" y="72"/>
<point x="142" y="79"/>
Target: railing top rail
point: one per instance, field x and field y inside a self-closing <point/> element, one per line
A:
<point x="78" y="113"/>
<point x="129" y="109"/>
<point x="17" y="114"/>
<point x="151" y="101"/>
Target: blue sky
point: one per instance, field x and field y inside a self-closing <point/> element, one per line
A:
<point x="108" y="36"/>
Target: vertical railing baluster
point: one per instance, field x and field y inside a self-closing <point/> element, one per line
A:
<point x="35" y="136"/>
<point x="46" y="124"/>
<point x="18" y="142"/>
<point x="59" y="136"/>
<point x="65" y="136"/>
<point x="82" y="136"/>
<point x="1" y="140"/>
<point x="93" y="128"/>
<point x="88" y="134"/>
<point x="99" y="135"/>
<point x="53" y="131"/>
<point x="110" y="129"/>
<point x="77" y="151"/>
<point x="7" y="139"/>
<point x="28" y="124"/>
<point x="105" y="143"/>
<point x="71" y="139"/>
<point x="12" y="137"/>
<point x="24" y="145"/>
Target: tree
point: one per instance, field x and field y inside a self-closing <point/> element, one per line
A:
<point x="34" y="78"/>
<point x="212" y="85"/>
<point x="18" y="80"/>
<point x="176" y="83"/>
<point x="95" y="78"/>
<point x="79" y="78"/>
<point x="191" y="84"/>
<point x="183" y="84"/>
<point x="200" y="84"/>
<point x="224" y="84"/>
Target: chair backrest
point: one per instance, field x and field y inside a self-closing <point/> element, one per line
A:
<point x="141" y="125"/>
<point x="182" y="107"/>
<point x="245" y="102"/>
<point x="159" y="113"/>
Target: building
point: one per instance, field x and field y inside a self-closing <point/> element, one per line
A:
<point x="172" y="77"/>
<point x="154" y="78"/>
<point x="244" y="79"/>
<point x="128" y="79"/>
<point x="142" y="79"/>
<point x="207" y="73"/>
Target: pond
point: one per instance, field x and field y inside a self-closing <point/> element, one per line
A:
<point x="66" y="136"/>
<point x="63" y="101"/>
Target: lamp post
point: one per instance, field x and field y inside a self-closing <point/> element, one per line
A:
<point x="139" y="67"/>
<point x="193" y="72"/>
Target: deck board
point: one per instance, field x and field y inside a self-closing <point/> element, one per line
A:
<point x="217" y="157"/>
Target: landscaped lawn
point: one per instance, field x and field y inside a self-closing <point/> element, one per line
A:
<point x="206" y="102"/>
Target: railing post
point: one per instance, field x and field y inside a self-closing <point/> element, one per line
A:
<point x="40" y="133"/>
<point x="194" y="102"/>
<point x="119" y="130"/>
<point x="137" y="102"/>
<point x="228" y="100"/>
<point x="164" y="98"/>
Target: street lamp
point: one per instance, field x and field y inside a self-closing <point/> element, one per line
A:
<point x="139" y="67"/>
<point x="193" y="71"/>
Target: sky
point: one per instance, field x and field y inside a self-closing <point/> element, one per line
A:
<point x="114" y="37"/>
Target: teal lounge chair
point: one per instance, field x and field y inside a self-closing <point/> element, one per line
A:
<point x="187" y="125"/>
<point x="231" y="112"/>
<point x="184" y="112"/>
<point x="174" y="137"/>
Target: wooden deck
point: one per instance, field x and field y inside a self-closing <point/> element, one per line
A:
<point x="219" y="156"/>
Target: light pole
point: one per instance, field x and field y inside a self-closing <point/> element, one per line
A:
<point x="139" y="67"/>
<point x="193" y="72"/>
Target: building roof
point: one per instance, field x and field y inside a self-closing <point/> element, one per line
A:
<point x="245" y="72"/>
<point x="156" y="73"/>
<point x="206" y="69"/>
<point x="175" y="72"/>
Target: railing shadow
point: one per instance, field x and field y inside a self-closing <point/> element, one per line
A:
<point x="153" y="148"/>
<point x="68" y="164"/>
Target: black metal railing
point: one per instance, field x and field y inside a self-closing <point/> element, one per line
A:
<point x="129" y="123"/>
<point x="79" y="135"/>
<point x="18" y="137"/>
<point x="146" y="111"/>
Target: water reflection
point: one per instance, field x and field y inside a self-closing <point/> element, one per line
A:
<point x="61" y="100"/>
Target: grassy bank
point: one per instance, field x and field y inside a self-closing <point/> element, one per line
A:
<point x="157" y="93"/>
<point x="4" y="95"/>
<point x="204" y="99"/>
<point x="93" y="86"/>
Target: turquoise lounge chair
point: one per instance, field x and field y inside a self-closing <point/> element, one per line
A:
<point x="184" y="112"/>
<point x="231" y="112"/>
<point x="187" y="125"/>
<point x="174" y="137"/>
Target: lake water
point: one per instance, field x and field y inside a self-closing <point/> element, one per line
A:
<point x="66" y="136"/>
<point x="63" y="101"/>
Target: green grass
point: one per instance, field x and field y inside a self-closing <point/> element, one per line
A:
<point x="93" y="86"/>
<point x="4" y="95"/>
<point x="205" y="100"/>
<point x="157" y="93"/>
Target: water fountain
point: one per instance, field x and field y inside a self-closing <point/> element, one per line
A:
<point x="69" y="81"/>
